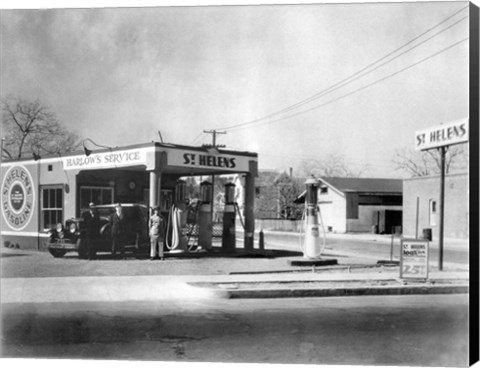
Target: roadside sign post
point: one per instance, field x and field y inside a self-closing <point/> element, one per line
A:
<point x="442" y="137"/>
<point x="442" y="207"/>
<point x="414" y="257"/>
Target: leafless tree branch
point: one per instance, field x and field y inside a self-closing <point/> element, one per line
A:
<point x="30" y="127"/>
<point x="429" y="162"/>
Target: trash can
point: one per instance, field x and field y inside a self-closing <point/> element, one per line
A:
<point x="375" y="229"/>
<point x="427" y="234"/>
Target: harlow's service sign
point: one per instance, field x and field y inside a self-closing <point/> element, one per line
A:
<point x="442" y="135"/>
<point x="106" y="160"/>
<point x="414" y="259"/>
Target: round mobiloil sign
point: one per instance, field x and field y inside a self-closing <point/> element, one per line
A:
<point x="18" y="197"/>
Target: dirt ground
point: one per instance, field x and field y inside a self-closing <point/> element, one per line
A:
<point x="24" y="263"/>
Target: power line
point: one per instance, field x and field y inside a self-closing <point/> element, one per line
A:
<point x="198" y="137"/>
<point x="306" y="158"/>
<point x="356" y="76"/>
<point x="350" y="93"/>
<point x="340" y="84"/>
<point x="344" y="81"/>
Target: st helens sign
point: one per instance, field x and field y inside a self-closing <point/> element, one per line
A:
<point x="442" y="135"/>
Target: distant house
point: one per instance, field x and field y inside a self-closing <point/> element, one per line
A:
<point x="421" y="206"/>
<point x="275" y="192"/>
<point x="360" y="204"/>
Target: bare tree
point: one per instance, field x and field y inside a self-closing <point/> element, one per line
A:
<point x="424" y="163"/>
<point x="287" y="190"/>
<point x="31" y="128"/>
<point x="333" y="165"/>
<point x="275" y="198"/>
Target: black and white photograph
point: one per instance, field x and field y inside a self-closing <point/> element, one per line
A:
<point x="239" y="183"/>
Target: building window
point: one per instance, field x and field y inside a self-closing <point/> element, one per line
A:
<point x="97" y="195"/>
<point x="51" y="207"/>
<point x="432" y="212"/>
<point x="323" y="190"/>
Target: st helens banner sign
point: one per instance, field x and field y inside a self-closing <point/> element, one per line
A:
<point x="442" y="135"/>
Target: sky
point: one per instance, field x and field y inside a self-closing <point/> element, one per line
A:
<point x="119" y="75"/>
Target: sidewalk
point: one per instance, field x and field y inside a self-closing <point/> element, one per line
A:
<point x="266" y="285"/>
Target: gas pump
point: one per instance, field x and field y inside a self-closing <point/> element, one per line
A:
<point x="228" y="236"/>
<point x="204" y="216"/>
<point x="175" y="240"/>
<point x="311" y="243"/>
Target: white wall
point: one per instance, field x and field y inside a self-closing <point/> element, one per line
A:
<point x="456" y="205"/>
<point x="333" y="208"/>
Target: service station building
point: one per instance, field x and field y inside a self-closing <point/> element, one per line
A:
<point x="39" y="193"/>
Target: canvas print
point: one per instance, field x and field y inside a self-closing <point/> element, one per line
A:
<point x="250" y="183"/>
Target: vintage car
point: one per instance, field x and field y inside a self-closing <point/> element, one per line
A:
<point x="71" y="237"/>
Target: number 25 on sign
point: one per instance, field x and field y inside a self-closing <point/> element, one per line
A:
<point x="414" y="259"/>
<point x="412" y="270"/>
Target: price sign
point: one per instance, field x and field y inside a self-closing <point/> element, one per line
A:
<point x="414" y="259"/>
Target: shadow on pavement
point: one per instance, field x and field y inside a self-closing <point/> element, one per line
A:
<point x="8" y="255"/>
<point x="213" y="253"/>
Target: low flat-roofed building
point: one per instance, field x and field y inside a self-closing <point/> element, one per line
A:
<point x="421" y="200"/>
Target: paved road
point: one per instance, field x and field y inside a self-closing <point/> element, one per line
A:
<point x="405" y="330"/>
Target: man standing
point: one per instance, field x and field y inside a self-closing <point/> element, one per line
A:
<point x="117" y="223"/>
<point x="92" y="229"/>
<point x="156" y="232"/>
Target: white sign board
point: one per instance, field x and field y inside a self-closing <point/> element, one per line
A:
<point x="414" y="259"/>
<point x="198" y="159"/>
<point x="111" y="159"/>
<point x="442" y="135"/>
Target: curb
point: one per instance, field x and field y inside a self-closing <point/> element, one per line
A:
<point x="331" y="292"/>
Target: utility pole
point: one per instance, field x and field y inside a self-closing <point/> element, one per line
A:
<point x="442" y="207"/>
<point x="214" y="133"/>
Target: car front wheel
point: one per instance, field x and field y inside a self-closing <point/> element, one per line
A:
<point x="57" y="253"/>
